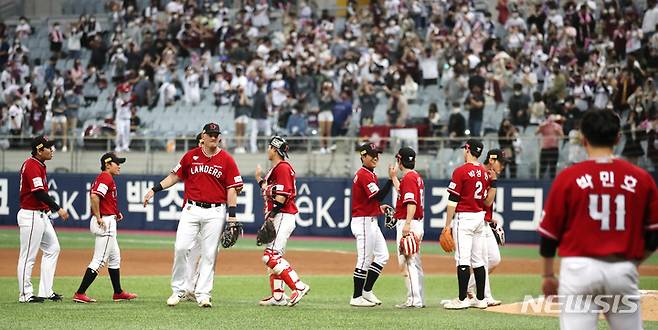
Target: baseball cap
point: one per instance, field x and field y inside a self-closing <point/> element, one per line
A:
<point x="211" y="128"/>
<point x="496" y="154"/>
<point x="406" y="155"/>
<point x="474" y="146"/>
<point x="110" y="157"/>
<point x="368" y="149"/>
<point x="280" y="144"/>
<point x="41" y="142"/>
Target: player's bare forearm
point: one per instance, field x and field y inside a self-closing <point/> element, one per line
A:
<point x="411" y="210"/>
<point x="280" y="198"/>
<point x="95" y="206"/>
<point x="450" y="213"/>
<point x="169" y="181"/>
<point x="491" y="195"/>
<point x="548" y="267"/>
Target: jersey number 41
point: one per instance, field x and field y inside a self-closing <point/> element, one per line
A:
<point x="604" y="214"/>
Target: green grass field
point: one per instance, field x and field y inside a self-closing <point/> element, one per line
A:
<point x="235" y="298"/>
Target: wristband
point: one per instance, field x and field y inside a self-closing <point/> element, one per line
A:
<point x="157" y="187"/>
<point x="276" y="207"/>
<point x="493" y="184"/>
<point x="231" y="211"/>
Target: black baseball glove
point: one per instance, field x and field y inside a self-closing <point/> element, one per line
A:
<point x="389" y="221"/>
<point x="498" y="232"/>
<point x="266" y="234"/>
<point x="232" y="231"/>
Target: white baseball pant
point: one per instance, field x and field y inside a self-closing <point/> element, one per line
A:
<point x="412" y="268"/>
<point x="583" y="276"/>
<point x="370" y="242"/>
<point x="208" y="224"/>
<point x="106" y="248"/>
<point x="192" y="268"/>
<point x="36" y="232"/>
<point x="467" y="231"/>
<point x="491" y="258"/>
<point x="122" y="139"/>
<point x="285" y="224"/>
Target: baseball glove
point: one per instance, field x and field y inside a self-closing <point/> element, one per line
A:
<point x="232" y="231"/>
<point x="446" y="240"/>
<point x="389" y="221"/>
<point x="498" y="232"/>
<point x="266" y="234"/>
<point x="409" y="245"/>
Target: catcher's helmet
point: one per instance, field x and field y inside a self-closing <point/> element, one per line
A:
<point x="281" y="145"/>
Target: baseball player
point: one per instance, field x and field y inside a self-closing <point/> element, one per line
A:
<point x="495" y="164"/>
<point x="602" y="215"/>
<point x="278" y="188"/>
<point x="36" y="230"/>
<point x="409" y="214"/>
<point x="468" y="190"/>
<point x="193" y="257"/>
<point x="212" y="181"/>
<point x="105" y="214"/>
<point x="371" y="249"/>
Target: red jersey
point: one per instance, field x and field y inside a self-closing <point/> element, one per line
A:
<point x="207" y="178"/>
<point x="470" y="182"/>
<point x="412" y="190"/>
<point x="33" y="178"/>
<point x="600" y="208"/>
<point x="281" y="181"/>
<point x="364" y="187"/>
<point x="106" y="189"/>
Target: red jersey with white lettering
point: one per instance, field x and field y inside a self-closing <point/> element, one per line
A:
<point x="364" y="188"/>
<point x="208" y="178"/>
<point x="412" y="189"/>
<point x="106" y="189"/>
<point x="470" y="182"/>
<point x="281" y="181"/>
<point x="33" y="178"/>
<point x="600" y="208"/>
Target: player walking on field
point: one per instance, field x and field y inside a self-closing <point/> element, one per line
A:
<point x="278" y="189"/>
<point x="602" y="215"/>
<point x="410" y="229"/>
<point x="493" y="234"/>
<point x="105" y="214"/>
<point x="36" y="230"/>
<point x="468" y="191"/>
<point x="371" y="249"/>
<point x="212" y="181"/>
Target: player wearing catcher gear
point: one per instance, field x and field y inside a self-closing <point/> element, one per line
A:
<point x="36" y="229"/>
<point x="495" y="164"/>
<point x="468" y="191"/>
<point x="212" y="181"/>
<point x="409" y="213"/>
<point x="602" y="215"/>
<point x="103" y="224"/>
<point x="278" y="189"/>
<point x="371" y="249"/>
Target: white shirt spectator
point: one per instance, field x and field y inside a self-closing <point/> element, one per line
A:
<point x="192" y="92"/>
<point x="279" y="92"/>
<point x="220" y="89"/>
<point x="174" y="7"/>
<point x="15" y="117"/>
<point x="648" y="22"/>
<point x="73" y="42"/>
<point x="429" y="67"/>
<point x="260" y="16"/>
<point x="23" y="29"/>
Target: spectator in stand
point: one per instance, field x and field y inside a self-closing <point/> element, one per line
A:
<point x="368" y="102"/>
<point x="507" y="135"/>
<point x="326" y="117"/>
<point x="519" y="104"/>
<point x="429" y="67"/>
<point x="297" y="123"/>
<point x="410" y="89"/>
<point x="56" y="38"/>
<point x="397" y="111"/>
<point x="192" y="92"/>
<point x="58" y="122"/>
<point x="74" y="42"/>
<point x="456" y="126"/>
<point x="23" y="28"/>
<point x="259" y="116"/>
<point x="632" y="133"/>
<point x="342" y="112"/>
<point x="242" y="110"/>
<point x="72" y="109"/>
<point x="15" y="117"/>
<point x="77" y="75"/>
<point x="38" y="112"/>
<point x="4" y="51"/>
<point x="475" y="105"/>
<point x="537" y="109"/>
<point x="135" y="121"/>
<point x="551" y="136"/>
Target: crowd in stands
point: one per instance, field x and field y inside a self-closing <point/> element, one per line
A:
<point x="285" y="67"/>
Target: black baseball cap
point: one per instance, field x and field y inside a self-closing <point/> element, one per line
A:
<point x="211" y="128"/>
<point x="280" y="144"/>
<point x="110" y="157"/>
<point x="406" y="155"/>
<point x="41" y="142"/>
<point x="496" y="154"/>
<point x="368" y="149"/>
<point x="474" y="146"/>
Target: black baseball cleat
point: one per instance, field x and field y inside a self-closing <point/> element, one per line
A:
<point x="35" y="299"/>
<point x="54" y="297"/>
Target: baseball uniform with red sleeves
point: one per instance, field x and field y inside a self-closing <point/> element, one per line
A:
<point x="364" y="187"/>
<point x="33" y="178"/>
<point x="598" y="211"/>
<point x="412" y="189"/>
<point x="207" y="179"/>
<point x="281" y="181"/>
<point x="106" y="249"/>
<point x="36" y="232"/>
<point x="470" y="182"/>
<point x="106" y="189"/>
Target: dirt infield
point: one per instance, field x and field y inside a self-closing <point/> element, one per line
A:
<point x="237" y="262"/>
